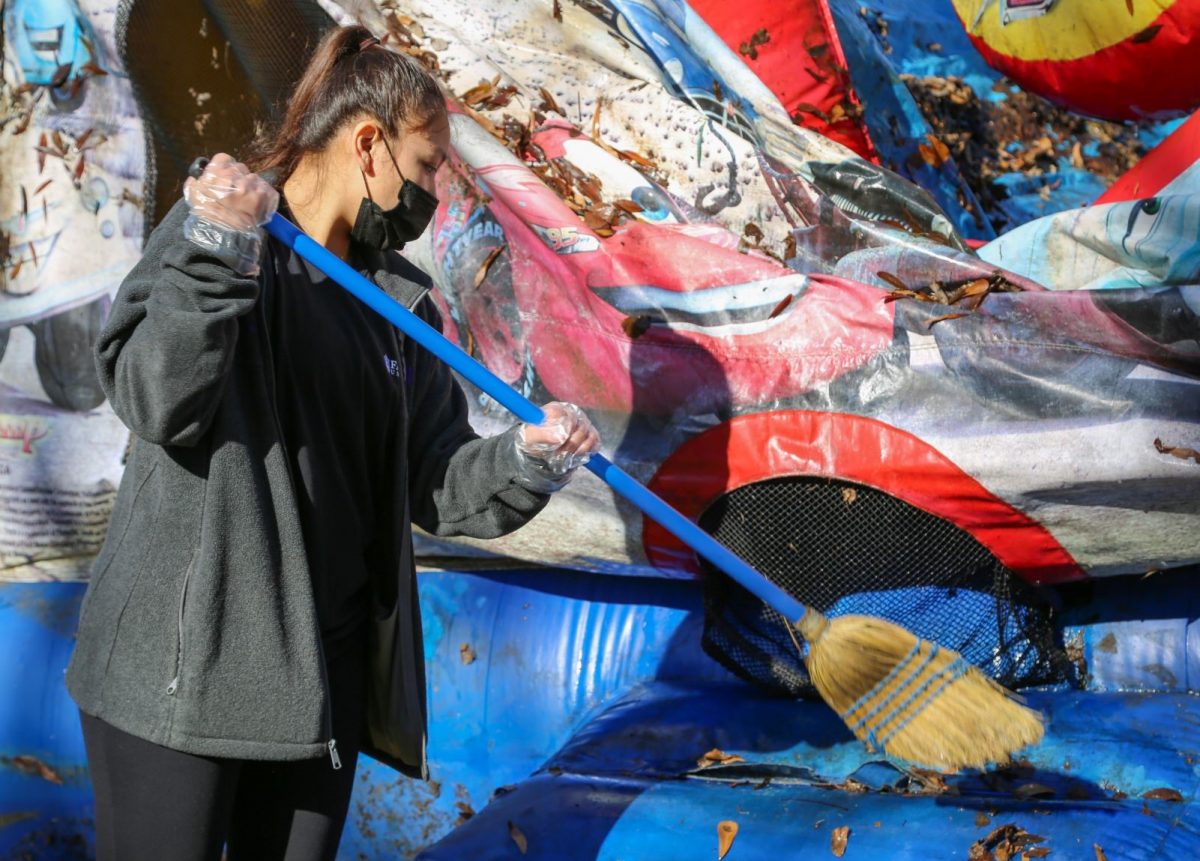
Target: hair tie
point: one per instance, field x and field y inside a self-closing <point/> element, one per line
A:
<point x="368" y="42"/>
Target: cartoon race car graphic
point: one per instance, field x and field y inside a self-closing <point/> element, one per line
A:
<point x="675" y="322"/>
<point x="633" y="326"/>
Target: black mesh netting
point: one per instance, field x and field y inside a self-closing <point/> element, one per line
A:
<point x="846" y="548"/>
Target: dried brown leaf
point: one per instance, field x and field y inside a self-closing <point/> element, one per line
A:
<point x="480" y="93"/>
<point x="78" y="172"/>
<point x="482" y="271"/>
<point x="837" y="840"/>
<point x="596" y="118"/>
<point x="781" y="307"/>
<point x="60" y="76"/>
<point x="978" y="287"/>
<point x="726" y="831"/>
<point x="548" y="102"/>
<point x="24" y="123"/>
<point x="1100" y="856"/>
<point x="92" y="69"/>
<point x="82" y="139"/>
<point x="466" y="653"/>
<point x="936" y="153"/>
<point x="416" y="29"/>
<point x="627" y="206"/>
<point x="753" y="232"/>
<point x="24" y="203"/>
<point x="982" y="819"/>
<point x="635" y="158"/>
<point x="590" y="186"/>
<point x="1163" y="794"/>
<point x="42" y="187"/>
<point x="931" y="781"/>
<point x="789" y="247"/>
<point x="809" y="108"/>
<point x="635" y="326"/>
<point x="31" y="764"/>
<point x="518" y="837"/>
<point x="849" y="495"/>
<point x="41" y="152"/>
<point x="56" y="138"/>
<point x="557" y="11"/>
<point x="16" y="270"/>
<point x="1176" y="451"/>
<point x="716" y="756"/>
<point x="600" y="217"/>
<point x="501" y="97"/>
<point x="891" y="279"/>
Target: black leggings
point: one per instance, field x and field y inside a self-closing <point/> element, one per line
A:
<point x="153" y="802"/>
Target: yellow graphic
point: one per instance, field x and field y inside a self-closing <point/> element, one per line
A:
<point x="1068" y="30"/>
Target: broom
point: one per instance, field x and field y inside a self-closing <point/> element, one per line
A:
<point x="898" y="693"/>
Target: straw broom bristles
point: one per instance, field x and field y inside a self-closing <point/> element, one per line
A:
<point x="912" y="698"/>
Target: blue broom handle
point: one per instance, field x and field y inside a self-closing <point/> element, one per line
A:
<point x="526" y="410"/>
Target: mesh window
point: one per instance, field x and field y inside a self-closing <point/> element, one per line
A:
<point x="846" y="548"/>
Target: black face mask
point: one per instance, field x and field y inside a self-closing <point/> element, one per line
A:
<point x="388" y="229"/>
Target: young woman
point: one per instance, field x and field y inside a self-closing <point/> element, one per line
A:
<point x="252" y="620"/>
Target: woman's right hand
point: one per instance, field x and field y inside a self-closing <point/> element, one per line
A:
<point x="228" y="195"/>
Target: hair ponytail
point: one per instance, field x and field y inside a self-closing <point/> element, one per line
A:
<point x="349" y="74"/>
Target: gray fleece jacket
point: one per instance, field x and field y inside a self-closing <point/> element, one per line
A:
<point x="198" y="630"/>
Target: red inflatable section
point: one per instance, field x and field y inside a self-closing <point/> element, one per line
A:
<point x="852" y="448"/>
<point x="801" y="62"/>
<point x="1153" y="72"/>
<point x="1159" y="166"/>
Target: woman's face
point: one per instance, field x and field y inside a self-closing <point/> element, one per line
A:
<point x="418" y="154"/>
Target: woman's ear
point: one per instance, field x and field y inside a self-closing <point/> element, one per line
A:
<point x="363" y="138"/>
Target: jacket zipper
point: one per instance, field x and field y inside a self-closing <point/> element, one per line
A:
<point x="187" y="576"/>
<point x="327" y="711"/>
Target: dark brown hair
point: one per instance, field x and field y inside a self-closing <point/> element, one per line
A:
<point x="350" y="74"/>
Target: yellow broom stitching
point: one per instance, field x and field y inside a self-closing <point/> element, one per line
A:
<point x="952" y="672"/>
<point x="867" y="698"/>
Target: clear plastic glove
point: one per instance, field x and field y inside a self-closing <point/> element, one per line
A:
<point x="550" y="453"/>
<point x="229" y="205"/>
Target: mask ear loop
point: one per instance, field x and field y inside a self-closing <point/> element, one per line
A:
<point x="363" y="174"/>
<point x="399" y="172"/>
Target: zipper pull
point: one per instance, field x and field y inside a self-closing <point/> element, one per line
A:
<point x="171" y="688"/>
<point x="333" y="754"/>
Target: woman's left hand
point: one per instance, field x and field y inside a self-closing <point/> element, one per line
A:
<point x="552" y="451"/>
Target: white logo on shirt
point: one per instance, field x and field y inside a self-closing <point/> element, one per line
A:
<point x="391" y="365"/>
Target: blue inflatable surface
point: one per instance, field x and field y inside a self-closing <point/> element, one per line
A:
<point x="569" y="712"/>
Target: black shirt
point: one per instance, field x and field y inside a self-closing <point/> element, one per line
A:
<point x="339" y="384"/>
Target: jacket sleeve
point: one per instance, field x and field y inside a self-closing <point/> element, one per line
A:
<point x="166" y="349"/>
<point x="460" y="484"/>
